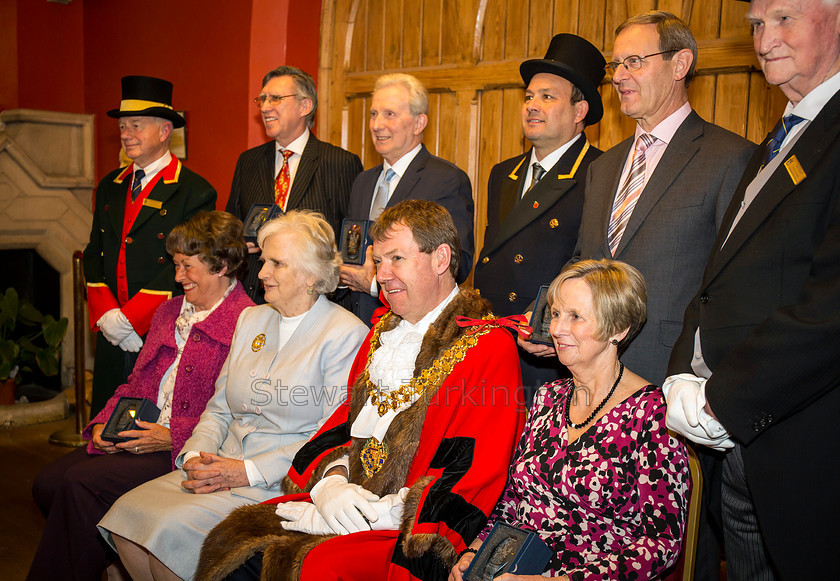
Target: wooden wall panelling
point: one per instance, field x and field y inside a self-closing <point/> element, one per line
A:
<point x="733" y="19"/>
<point x="732" y="101"/>
<point x="447" y="123"/>
<point x="354" y="41"/>
<point x="412" y="34"/>
<point x="591" y="23"/>
<point x="372" y="32"/>
<point x="457" y="28"/>
<point x="393" y="31"/>
<point x="510" y="124"/>
<point x="489" y="153"/>
<point x="705" y="19"/>
<point x="679" y="7"/>
<point x="516" y="29"/>
<point x="431" y="38"/>
<point x="540" y="26"/>
<point x="701" y="95"/>
<point x="566" y="14"/>
<point x="494" y="34"/>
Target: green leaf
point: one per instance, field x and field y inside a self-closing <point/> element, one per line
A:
<point x="48" y="361"/>
<point x="54" y="331"/>
<point x="29" y="315"/>
<point x="27" y="345"/>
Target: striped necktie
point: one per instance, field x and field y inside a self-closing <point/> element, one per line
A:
<point x="136" y="186"/>
<point x="282" y="181"/>
<point x="629" y="194"/>
<point x="777" y="136"/>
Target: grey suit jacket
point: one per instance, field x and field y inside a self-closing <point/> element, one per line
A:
<point x="426" y="178"/>
<point x="269" y="401"/>
<point x="671" y="230"/>
<point x="322" y="183"/>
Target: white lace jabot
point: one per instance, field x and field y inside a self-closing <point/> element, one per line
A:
<point x="391" y="366"/>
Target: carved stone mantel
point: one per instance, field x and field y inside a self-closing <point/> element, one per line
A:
<point x="46" y="185"/>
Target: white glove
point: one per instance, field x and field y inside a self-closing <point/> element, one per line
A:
<point x="390" y="510"/>
<point x="303" y="517"/>
<point x="133" y="343"/>
<point x="343" y="505"/>
<point x="685" y="395"/>
<point x="115" y="326"/>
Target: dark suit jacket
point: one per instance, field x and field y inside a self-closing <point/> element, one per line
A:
<point x="148" y="266"/>
<point x="426" y="178"/>
<point x="768" y="311"/>
<point x="529" y="239"/>
<point x="514" y="261"/>
<point x="322" y="183"/>
<point x="671" y="230"/>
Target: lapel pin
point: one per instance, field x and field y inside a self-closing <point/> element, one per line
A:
<point x="258" y="342"/>
<point x="794" y="169"/>
<point x="536" y="205"/>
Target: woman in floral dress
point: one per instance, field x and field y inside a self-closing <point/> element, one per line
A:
<point x="596" y="475"/>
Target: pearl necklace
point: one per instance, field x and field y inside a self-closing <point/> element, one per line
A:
<point x="601" y="405"/>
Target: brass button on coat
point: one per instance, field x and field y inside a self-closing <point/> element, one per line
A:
<point x="554" y="223"/>
<point x="485" y="260"/>
<point x="518" y="259"/>
<point x="512" y="297"/>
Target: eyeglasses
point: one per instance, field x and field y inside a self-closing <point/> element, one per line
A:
<point x="272" y="99"/>
<point x="634" y="61"/>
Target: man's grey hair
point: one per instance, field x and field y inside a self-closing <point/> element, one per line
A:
<point x="674" y="35"/>
<point x="418" y="97"/>
<point x="304" y="84"/>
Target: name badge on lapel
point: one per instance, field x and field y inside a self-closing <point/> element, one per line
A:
<point x="794" y="169"/>
<point x="156" y="204"/>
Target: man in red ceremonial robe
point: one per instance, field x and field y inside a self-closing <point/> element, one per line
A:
<point x="402" y="475"/>
<point x="127" y="270"/>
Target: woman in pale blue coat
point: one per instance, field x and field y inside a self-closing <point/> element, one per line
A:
<point x="286" y="372"/>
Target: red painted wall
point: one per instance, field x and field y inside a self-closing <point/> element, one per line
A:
<point x="43" y="49"/>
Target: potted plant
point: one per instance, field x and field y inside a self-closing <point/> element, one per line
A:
<point x="28" y="339"/>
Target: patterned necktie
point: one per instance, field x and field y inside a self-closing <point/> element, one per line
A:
<point x="282" y="181"/>
<point x="629" y="194"/>
<point x="380" y="200"/>
<point x="136" y="186"/>
<point x="537" y="172"/>
<point x="777" y="136"/>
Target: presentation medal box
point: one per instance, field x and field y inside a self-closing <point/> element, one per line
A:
<point x="258" y="215"/>
<point x="354" y="240"/>
<point x="541" y="319"/>
<point x="127" y="411"/>
<point x="511" y="550"/>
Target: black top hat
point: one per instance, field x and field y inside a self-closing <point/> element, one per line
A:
<point x="147" y="97"/>
<point x="576" y="60"/>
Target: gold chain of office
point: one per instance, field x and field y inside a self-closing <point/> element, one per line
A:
<point x="374" y="453"/>
<point x="429" y="377"/>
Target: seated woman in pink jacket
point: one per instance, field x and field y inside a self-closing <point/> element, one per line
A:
<point x="177" y="368"/>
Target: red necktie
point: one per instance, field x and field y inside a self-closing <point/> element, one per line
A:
<point x="282" y="181"/>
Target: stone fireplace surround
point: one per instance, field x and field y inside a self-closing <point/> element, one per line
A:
<point x="46" y="186"/>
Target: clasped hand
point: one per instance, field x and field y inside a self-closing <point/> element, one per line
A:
<point x="208" y="473"/>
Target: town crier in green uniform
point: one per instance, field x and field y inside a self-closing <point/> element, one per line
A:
<point x="127" y="270"/>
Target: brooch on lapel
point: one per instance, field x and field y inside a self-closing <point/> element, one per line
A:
<point x="258" y="342"/>
<point x="536" y="205"/>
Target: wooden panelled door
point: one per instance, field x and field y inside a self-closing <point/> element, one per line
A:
<point x="467" y="53"/>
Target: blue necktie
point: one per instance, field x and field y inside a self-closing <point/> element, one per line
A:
<point x="777" y="136"/>
<point x="136" y="187"/>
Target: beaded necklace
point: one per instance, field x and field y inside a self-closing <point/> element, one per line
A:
<point x="601" y="405"/>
